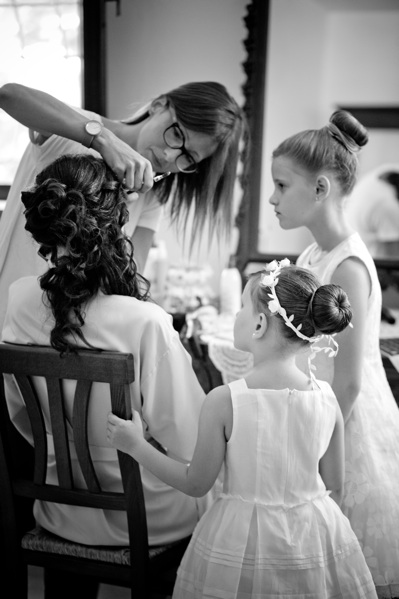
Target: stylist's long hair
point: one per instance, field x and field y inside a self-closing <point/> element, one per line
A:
<point x="205" y="107"/>
<point x="75" y="213"/>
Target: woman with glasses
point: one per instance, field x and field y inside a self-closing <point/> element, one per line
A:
<point x="192" y="133"/>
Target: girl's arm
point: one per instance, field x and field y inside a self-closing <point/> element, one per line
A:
<point x="194" y="479"/>
<point x="353" y="277"/>
<point x="45" y="114"/>
<point x="332" y="464"/>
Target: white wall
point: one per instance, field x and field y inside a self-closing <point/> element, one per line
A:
<point x="156" y="45"/>
<point x="292" y="101"/>
<point x="318" y="60"/>
<point x="362" y="63"/>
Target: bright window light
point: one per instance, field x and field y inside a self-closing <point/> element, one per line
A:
<point x="43" y="45"/>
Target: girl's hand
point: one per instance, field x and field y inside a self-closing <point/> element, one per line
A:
<point x="130" y="167"/>
<point x="124" y="435"/>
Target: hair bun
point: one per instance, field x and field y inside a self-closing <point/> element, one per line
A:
<point x="331" y="309"/>
<point x="350" y="126"/>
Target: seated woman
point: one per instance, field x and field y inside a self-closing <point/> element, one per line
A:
<point x="91" y="296"/>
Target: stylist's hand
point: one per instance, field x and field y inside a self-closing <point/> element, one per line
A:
<point x="130" y="167"/>
<point x="125" y="435"/>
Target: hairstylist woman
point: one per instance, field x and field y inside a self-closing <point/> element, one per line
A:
<point x="193" y="132"/>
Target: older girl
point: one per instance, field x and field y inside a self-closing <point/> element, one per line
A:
<point x="313" y="172"/>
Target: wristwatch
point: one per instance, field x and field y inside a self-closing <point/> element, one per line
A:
<point x="92" y="128"/>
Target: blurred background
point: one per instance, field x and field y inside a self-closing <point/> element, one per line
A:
<point x="310" y="57"/>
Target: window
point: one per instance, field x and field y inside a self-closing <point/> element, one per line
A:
<point x="42" y="45"/>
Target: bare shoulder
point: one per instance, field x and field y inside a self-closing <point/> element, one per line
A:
<point x="218" y="409"/>
<point x="351" y="267"/>
<point x="219" y="399"/>
<point x="352" y="274"/>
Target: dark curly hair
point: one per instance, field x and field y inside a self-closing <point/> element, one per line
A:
<point x="320" y="309"/>
<point x="332" y="148"/>
<point x="76" y="212"/>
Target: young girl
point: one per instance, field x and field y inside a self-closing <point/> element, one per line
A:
<point x="313" y="172"/>
<point x="274" y="531"/>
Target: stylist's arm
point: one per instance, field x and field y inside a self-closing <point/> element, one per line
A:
<point x="45" y="114"/>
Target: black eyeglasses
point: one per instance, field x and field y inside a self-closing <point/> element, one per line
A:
<point x="174" y="138"/>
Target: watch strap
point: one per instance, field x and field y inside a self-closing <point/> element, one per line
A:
<point x="89" y="137"/>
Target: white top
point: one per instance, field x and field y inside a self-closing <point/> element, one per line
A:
<point x="371" y="432"/>
<point x="18" y="251"/>
<point x="323" y="264"/>
<point x="166" y="392"/>
<point x="373" y="209"/>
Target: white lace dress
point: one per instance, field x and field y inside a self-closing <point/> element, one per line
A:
<point x="274" y="532"/>
<point x="371" y="499"/>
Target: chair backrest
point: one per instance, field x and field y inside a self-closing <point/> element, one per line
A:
<point x="86" y="367"/>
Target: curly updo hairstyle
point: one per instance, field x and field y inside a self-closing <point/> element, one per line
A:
<point x="320" y="309"/>
<point x="76" y="212"/>
<point x="332" y="148"/>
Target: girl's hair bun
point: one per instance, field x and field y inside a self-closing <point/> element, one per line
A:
<point x="350" y="126"/>
<point x="331" y="309"/>
<point x="312" y="309"/>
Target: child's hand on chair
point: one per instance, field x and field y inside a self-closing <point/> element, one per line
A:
<point x="124" y="435"/>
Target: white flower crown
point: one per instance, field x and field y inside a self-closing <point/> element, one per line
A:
<point x="270" y="280"/>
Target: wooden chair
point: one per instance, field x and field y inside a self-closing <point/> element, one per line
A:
<point x="145" y="570"/>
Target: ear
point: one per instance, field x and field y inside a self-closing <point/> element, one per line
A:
<point x="323" y="187"/>
<point x="158" y="104"/>
<point x="260" y="326"/>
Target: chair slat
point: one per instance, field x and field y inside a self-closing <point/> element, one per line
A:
<point x="38" y="426"/>
<point x="60" y="435"/>
<point x="130" y="472"/>
<point x="120" y="400"/>
<point x="100" y="366"/>
<point x="80" y="424"/>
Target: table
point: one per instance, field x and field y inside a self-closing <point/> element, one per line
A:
<point x="223" y="363"/>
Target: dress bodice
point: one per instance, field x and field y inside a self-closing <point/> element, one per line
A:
<point x="323" y="265"/>
<point x="277" y="440"/>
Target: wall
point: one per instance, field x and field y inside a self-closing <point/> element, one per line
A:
<point x="320" y="59"/>
<point x="362" y="63"/>
<point x="155" y="45"/>
<point x="293" y="100"/>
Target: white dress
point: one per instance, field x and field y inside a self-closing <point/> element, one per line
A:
<point x="274" y="531"/>
<point x="371" y="499"/>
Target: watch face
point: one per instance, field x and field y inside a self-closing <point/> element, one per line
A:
<point x="93" y="127"/>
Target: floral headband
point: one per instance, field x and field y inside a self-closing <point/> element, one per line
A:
<point x="270" y="280"/>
